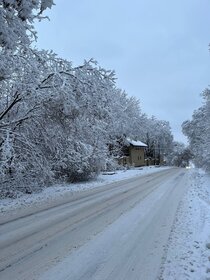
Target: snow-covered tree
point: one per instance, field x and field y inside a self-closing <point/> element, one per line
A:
<point x="17" y="30"/>
<point x="16" y="21"/>
<point x="59" y="122"/>
<point x="158" y="137"/>
<point x="198" y="132"/>
<point x="180" y="155"/>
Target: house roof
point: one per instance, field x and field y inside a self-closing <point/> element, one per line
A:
<point x="136" y="143"/>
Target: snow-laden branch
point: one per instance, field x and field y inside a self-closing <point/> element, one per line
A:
<point x="16" y="99"/>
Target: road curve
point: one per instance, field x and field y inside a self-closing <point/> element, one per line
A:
<point x="119" y="231"/>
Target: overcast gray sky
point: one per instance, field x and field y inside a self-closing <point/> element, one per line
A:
<point x="159" y="49"/>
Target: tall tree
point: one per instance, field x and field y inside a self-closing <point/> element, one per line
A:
<point x="198" y="132"/>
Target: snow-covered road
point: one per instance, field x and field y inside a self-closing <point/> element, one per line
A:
<point x="119" y="231"/>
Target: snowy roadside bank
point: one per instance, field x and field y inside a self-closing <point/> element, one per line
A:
<point x="188" y="250"/>
<point x="61" y="190"/>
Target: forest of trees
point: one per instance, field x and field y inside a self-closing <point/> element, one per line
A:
<point x="57" y="121"/>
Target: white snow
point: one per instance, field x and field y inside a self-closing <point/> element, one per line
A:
<point x="188" y="252"/>
<point x="136" y="143"/>
<point x="56" y="191"/>
<point x="107" y="249"/>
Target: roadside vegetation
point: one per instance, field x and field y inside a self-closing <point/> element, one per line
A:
<point x="198" y="132"/>
<point x="58" y="122"/>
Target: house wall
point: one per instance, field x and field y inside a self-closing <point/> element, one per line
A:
<point x="137" y="156"/>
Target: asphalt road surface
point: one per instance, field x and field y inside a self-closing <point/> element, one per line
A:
<point x="119" y="231"/>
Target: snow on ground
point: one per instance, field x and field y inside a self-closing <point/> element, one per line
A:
<point x="188" y="252"/>
<point x="61" y="190"/>
<point x="115" y="252"/>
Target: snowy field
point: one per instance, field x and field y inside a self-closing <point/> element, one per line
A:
<point x="59" y="191"/>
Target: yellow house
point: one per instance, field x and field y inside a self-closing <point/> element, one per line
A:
<point x="133" y="153"/>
